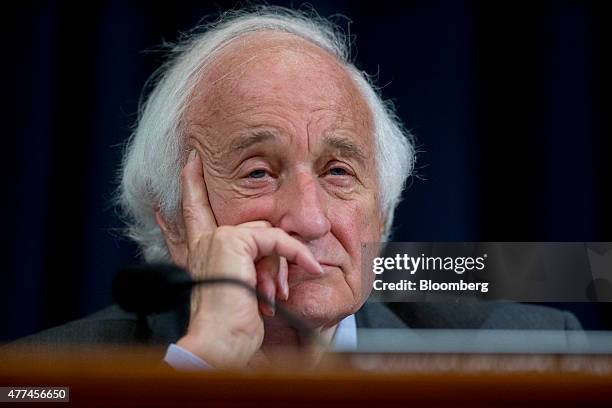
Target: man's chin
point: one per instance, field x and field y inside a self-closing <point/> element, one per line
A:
<point x="317" y="304"/>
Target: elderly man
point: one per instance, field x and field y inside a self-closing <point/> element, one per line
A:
<point x="289" y="163"/>
<point x="262" y="154"/>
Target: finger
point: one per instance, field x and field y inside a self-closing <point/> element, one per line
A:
<point x="266" y="270"/>
<point x="282" y="285"/>
<point x="256" y="224"/>
<point x="198" y="216"/>
<point x="266" y="288"/>
<point x="275" y="269"/>
<point x="274" y="241"/>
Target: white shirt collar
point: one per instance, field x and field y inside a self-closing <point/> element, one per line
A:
<point x="345" y="338"/>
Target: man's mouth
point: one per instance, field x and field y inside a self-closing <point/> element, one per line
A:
<point x="297" y="275"/>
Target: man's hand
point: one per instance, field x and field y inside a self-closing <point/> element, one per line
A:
<point x="226" y="325"/>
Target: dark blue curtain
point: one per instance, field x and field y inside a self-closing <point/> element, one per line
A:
<point x="508" y="100"/>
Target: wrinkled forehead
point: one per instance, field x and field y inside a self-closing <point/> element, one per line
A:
<point x="279" y="70"/>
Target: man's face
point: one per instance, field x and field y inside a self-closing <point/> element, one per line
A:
<point x="286" y="137"/>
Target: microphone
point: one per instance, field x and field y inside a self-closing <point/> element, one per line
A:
<point x="156" y="288"/>
<point x="153" y="288"/>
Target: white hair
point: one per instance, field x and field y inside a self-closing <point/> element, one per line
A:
<point x="155" y="153"/>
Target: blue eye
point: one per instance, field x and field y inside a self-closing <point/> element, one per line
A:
<point x="337" y="171"/>
<point x="257" y="174"/>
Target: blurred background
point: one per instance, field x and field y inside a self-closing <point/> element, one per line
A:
<point x="509" y="101"/>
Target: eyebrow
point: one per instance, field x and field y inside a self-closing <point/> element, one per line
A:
<point x="246" y="141"/>
<point x="345" y="146"/>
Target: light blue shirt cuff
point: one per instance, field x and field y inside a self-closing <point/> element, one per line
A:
<point x="184" y="360"/>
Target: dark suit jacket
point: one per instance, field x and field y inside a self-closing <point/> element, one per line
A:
<point x="115" y="326"/>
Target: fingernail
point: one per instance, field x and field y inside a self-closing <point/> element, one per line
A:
<point x="272" y="309"/>
<point x="266" y="310"/>
<point x="193" y="155"/>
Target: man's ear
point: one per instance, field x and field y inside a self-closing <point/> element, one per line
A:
<point x="175" y="239"/>
<point x="382" y="225"/>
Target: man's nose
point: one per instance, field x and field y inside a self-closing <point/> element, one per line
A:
<point x="304" y="208"/>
